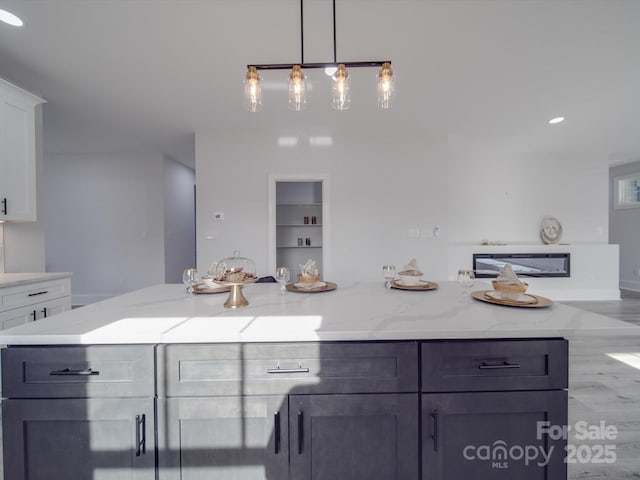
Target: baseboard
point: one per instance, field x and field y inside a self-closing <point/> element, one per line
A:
<point x="631" y="285"/>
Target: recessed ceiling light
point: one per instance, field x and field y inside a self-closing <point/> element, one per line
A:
<point x="556" y="120"/>
<point x="10" y="18"/>
<point x="330" y="71"/>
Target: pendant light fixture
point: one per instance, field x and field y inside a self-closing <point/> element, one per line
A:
<point x="252" y="90"/>
<point x="297" y="89"/>
<point x="386" y="86"/>
<point x="340" y="91"/>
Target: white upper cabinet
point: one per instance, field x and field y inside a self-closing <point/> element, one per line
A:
<point x="17" y="153"/>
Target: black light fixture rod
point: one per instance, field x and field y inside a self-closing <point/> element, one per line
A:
<point x="334" y="32"/>
<point x="288" y="66"/>
<point x="301" y="31"/>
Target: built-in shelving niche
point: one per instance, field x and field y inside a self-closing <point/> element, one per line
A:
<point x="298" y="222"/>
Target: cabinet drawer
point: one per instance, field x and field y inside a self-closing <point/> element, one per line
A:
<point x="38" y="292"/>
<point x="78" y="372"/>
<point x="489" y="365"/>
<point x="277" y="368"/>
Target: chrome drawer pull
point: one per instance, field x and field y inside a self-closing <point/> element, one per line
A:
<point x="37" y="293"/>
<point x="300" y="369"/>
<point x="68" y="371"/>
<point x="497" y="366"/>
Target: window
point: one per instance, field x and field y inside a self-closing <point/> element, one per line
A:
<point x="627" y="191"/>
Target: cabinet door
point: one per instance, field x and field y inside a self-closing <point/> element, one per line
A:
<point x="223" y="438"/>
<point x="83" y="439"/>
<point x="355" y="437"/>
<point x="493" y="436"/>
<point x="37" y="311"/>
<point x="17" y="156"/>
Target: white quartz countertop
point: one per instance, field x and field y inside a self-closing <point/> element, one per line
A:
<point x="15" y="279"/>
<point x="361" y="311"/>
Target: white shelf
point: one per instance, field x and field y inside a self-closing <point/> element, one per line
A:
<point x="299" y="225"/>
<point x="299" y="205"/>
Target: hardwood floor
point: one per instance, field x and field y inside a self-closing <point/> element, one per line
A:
<point x="604" y="386"/>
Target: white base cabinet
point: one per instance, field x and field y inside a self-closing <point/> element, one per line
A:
<point x="35" y="300"/>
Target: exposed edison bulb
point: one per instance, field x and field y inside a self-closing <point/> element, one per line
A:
<point x="340" y="89"/>
<point x="386" y="86"/>
<point x="297" y="89"/>
<point x="252" y="90"/>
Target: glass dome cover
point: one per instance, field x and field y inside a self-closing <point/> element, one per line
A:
<point x="235" y="269"/>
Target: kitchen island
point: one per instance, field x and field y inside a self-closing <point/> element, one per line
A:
<point x="357" y="383"/>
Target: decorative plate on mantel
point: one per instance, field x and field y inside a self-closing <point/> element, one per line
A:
<point x="550" y="230"/>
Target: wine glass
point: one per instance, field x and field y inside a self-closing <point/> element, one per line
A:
<point x="282" y="276"/>
<point x="189" y="276"/>
<point x="466" y="278"/>
<point x="389" y="273"/>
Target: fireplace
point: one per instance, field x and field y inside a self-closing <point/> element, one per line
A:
<point x="487" y="265"/>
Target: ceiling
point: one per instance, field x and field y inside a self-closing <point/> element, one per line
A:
<point x="486" y="75"/>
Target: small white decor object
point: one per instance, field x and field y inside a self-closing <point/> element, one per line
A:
<point x="309" y="275"/>
<point x="410" y="273"/>
<point x="507" y="283"/>
<point x="550" y="230"/>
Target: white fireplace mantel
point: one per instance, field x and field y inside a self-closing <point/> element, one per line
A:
<point x="594" y="268"/>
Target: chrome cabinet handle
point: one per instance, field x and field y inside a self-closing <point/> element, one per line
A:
<point x="4" y="206"/>
<point x="141" y="435"/>
<point x="71" y="372"/>
<point x="300" y="369"/>
<point x="44" y="312"/>
<point x="497" y="366"/>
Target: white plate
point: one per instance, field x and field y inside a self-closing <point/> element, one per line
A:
<point x="520" y="298"/>
<point x="309" y="286"/>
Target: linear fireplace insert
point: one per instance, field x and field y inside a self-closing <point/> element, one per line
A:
<point x="487" y="265"/>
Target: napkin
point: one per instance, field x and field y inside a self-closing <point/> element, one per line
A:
<point x="411" y="268"/>
<point x="508" y="276"/>
<point x="309" y="269"/>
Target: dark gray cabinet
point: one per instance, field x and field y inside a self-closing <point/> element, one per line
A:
<point x="289" y="410"/>
<point x="81" y="412"/>
<point x="223" y="438"/>
<point x="355" y="437"/>
<point x="389" y="410"/>
<point x="497" y="397"/>
<point x="83" y="439"/>
<point x="492" y="436"/>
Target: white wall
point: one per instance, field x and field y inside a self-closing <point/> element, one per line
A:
<point x="624" y="229"/>
<point x="24" y="241"/>
<point x="105" y="222"/>
<point x="383" y="185"/>
<point x="501" y="196"/>
<point x="377" y="193"/>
